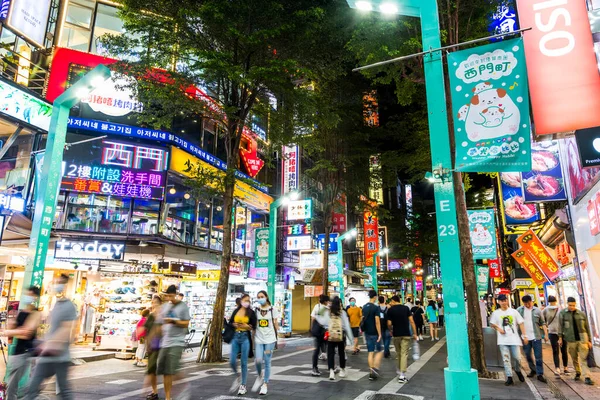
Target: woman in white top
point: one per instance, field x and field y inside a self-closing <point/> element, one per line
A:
<point x="265" y="339"/>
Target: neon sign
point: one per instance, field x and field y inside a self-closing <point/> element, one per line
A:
<point x="89" y="250"/>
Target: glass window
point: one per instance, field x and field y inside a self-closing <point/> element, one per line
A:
<point x="75" y="38"/>
<point x="203" y="224"/>
<point x="107" y="22"/>
<point x="209" y="136"/>
<point x="180" y="213"/>
<point x="216" y="234"/>
<point x="116" y="217"/>
<point x="221" y="150"/>
<point x="78" y="15"/>
<point x="14" y="165"/>
<point x="144" y="219"/>
<point x="84" y="212"/>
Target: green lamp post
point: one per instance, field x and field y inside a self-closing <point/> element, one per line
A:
<point x="46" y="195"/>
<point x="372" y="271"/>
<point x="340" y="259"/>
<point x="273" y="209"/>
<point x="460" y="379"/>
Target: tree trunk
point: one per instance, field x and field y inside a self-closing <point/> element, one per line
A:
<point x="215" y="346"/>
<point x="474" y="322"/>
<point x="326" y="260"/>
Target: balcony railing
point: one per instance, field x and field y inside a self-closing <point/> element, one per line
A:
<point x="23" y="71"/>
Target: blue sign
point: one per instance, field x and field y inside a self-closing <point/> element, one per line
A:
<point x="504" y="20"/>
<point x="516" y="212"/>
<point x="161" y="136"/>
<point x="333" y="247"/>
<point x="4" y="6"/>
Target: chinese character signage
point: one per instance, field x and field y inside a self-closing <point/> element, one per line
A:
<point x="115" y="168"/>
<point x="261" y="256"/>
<point x="523" y="258"/>
<point x="495" y="268"/>
<point x="561" y="64"/>
<point x="339" y="215"/>
<point x="515" y="211"/>
<point x="295" y="243"/>
<point x="371" y="236"/>
<point x="333" y="247"/>
<point x="504" y="19"/>
<point x="482" y="227"/>
<point x="538" y="253"/>
<point x="249" y="155"/>
<point x="491" y="108"/>
<point x="383" y="244"/>
<point x="418" y="283"/>
<point x="545" y="181"/>
<point x="483" y="277"/>
<point x="290" y="169"/>
<point x="299" y="209"/>
<point x="376" y="186"/>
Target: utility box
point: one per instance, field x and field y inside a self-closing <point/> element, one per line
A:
<point x="493" y="358"/>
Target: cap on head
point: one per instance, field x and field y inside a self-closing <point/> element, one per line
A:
<point x="172" y="289"/>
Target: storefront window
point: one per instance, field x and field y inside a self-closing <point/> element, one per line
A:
<point x="14" y="166"/>
<point x="203" y="224"/>
<point x="216" y="235"/>
<point x="107" y="22"/>
<point x="241" y="220"/>
<point x="144" y="219"/>
<point x="86" y="212"/>
<point x="180" y="206"/>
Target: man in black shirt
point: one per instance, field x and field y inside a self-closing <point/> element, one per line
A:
<point x="23" y="330"/>
<point x="399" y="321"/>
<point x="371" y="326"/>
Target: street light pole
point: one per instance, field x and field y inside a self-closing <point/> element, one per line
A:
<point x="460" y="379"/>
<point x="340" y="259"/>
<point x="45" y="199"/>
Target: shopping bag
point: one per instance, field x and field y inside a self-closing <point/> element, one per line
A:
<point x="591" y="361"/>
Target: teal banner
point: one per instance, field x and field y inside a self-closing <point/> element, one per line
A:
<point x="261" y="248"/>
<point x="490" y="101"/>
<point x="482" y="227"/>
<point x="483" y="278"/>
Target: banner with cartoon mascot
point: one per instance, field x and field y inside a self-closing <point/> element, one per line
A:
<point x="482" y="226"/>
<point x="491" y="108"/>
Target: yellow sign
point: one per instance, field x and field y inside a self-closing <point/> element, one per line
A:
<point x="180" y="162"/>
<point x="208" y="275"/>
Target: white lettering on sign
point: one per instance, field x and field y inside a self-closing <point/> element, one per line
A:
<point x="89" y="250"/>
<point x="445" y="205"/>
<point x="447" y="230"/>
<point x="564" y="41"/>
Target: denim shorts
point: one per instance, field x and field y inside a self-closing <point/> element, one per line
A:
<point x="372" y="344"/>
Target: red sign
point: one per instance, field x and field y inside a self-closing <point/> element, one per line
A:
<point x="235" y="267"/>
<point x="495" y="269"/>
<point x="248" y="155"/>
<point x="593" y="216"/>
<point x="538" y="253"/>
<point x="527" y="263"/>
<point x="561" y="65"/>
<point x="418" y="283"/>
<point x="371" y="233"/>
<point x="339" y="216"/>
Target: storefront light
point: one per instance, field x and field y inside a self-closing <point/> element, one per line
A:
<point x="187" y="196"/>
<point x="172" y="190"/>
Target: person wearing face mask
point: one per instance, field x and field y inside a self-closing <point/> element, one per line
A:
<point x="23" y="331"/>
<point x="355" y="315"/>
<point x="265" y="339"/>
<point x="243" y="319"/>
<point x="54" y="357"/>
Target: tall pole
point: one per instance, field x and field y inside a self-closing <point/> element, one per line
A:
<point x="273" y="247"/>
<point x="460" y="379"/>
<point x="340" y="260"/>
<point x="373" y="273"/>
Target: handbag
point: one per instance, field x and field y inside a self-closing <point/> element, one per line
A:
<point x="591" y="361"/>
<point x="316" y="329"/>
<point x="228" y="333"/>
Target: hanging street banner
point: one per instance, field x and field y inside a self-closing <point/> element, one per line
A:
<point x="514" y="209"/>
<point x="504" y="19"/>
<point x="371" y="236"/>
<point x="482" y="228"/>
<point x="491" y="108"/>
<point x="483" y="277"/>
<point x="495" y="268"/>
<point x="261" y="244"/>
<point x="523" y="258"/>
<point x="530" y="242"/>
<point x="545" y="181"/>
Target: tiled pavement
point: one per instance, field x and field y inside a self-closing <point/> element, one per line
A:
<point x="109" y="380"/>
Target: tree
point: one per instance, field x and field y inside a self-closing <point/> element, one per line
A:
<point x="245" y="52"/>
<point x="377" y="40"/>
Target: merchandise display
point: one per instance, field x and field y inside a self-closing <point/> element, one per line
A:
<point x="200" y="298"/>
<point x="283" y="303"/>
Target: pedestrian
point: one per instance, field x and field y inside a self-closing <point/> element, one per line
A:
<point x="507" y="322"/>
<point x="265" y="340"/>
<point x="355" y="315"/>
<point x="243" y="319"/>
<point x="440" y="314"/>
<point x="54" y="357"/>
<point x="180" y="296"/>
<point x="400" y="322"/>
<point x="551" y="316"/>
<point x="339" y="331"/>
<point x="387" y="335"/>
<point x="409" y="303"/>
<point x="432" y="318"/>
<point x="534" y="323"/>
<point x="140" y="334"/>
<point x="175" y="322"/>
<point x="418" y="313"/>
<point x="153" y="338"/>
<point x="575" y="330"/>
<point x="23" y="332"/>
<point x="318" y="319"/>
<point x="373" y="335"/>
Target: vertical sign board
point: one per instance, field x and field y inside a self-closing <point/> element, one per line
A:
<point x="514" y="209"/>
<point x="523" y="258"/>
<point x="376" y="186"/>
<point x="491" y="107"/>
<point x="495" y="268"/>
<point x="483" y="277"/>
<point x="482" y="227"/>
<point x="339" y="215"/>
<point x="371" y="233"/>
<point x="290" y="169"/>
<point x="545" y="181"/>
<point x="261" y="246"/>
<point x="538" y="253"/>
<point x="563" y="73"/>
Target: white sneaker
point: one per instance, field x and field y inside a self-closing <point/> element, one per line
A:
<point x="432" y="338"/>
<point x="263" y="389"/>
<point x="402" y="379"/>
<point x="322" y="356"/>
<point x="557" y="372"/>
<point x="342" y="373"/>
<point x="235" y="385"/>
<point x="420" y="337"/>
<point x="331" y="375"/>
<point x="257" y="384"/>
<point x="437" y="338"/>
<point x="242" y="390"/>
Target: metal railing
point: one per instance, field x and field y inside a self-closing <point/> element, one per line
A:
<point x="23" y="71"/>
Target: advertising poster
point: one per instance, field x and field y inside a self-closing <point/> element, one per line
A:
<point x="504" y="20"/>
<point x="333" y="274"/>
<point x="588" y="143"/>
<point x="490" y="101"/>
<point x="371" y="233"/>
<point x="333" y="247"/>
<point x="483" y="277"/>
<point x="523" y="258"/>
<point x="261" y="244"/>
<point x="580" y="179"/>
<point x="545" y="181"/>
<point x="495" y="269"/>
<point x="530" y="242"/>
<point x="482" y="227"/>
<point x="339" y="216"/>
<point x="30" y="17"/>
<point x="516" y="212"/>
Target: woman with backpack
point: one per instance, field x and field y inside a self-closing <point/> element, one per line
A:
<point x="432" y="317"/>
<point x="338" y="332"/>
<point x="140" y="334"/>
<point x="265" y="340"/>
<point x="417" y="312"/>
<point x="243" y="320"/>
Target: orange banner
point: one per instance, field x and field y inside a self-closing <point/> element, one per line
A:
<point x="527" y="263"/>
<point x="538" y="253"/>
<point x="371" y="233"/>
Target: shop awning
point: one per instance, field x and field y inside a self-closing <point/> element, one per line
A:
<point x="355" y="274"/>
<point x="18" y="228"/>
